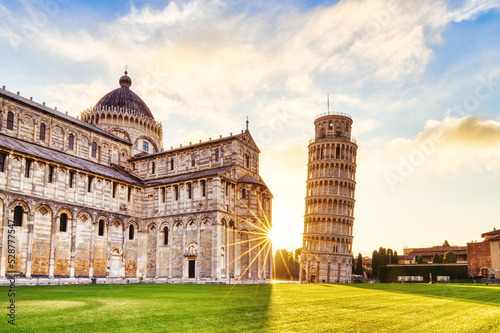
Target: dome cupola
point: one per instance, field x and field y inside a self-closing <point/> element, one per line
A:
<point x="123" y="113"/>
<point x="124" y="99"/>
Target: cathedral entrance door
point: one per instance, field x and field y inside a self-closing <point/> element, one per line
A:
<point x="115" y="264"/>
<point x="313" y="278"/>
<point x="192" y="269"/>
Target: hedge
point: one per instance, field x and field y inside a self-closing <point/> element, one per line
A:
<point x="455" y="272"/>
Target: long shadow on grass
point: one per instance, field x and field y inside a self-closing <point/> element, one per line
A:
<point x="475" y="294"/>
<point x="146" y="308"/>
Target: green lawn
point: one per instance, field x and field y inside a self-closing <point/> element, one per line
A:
<point x="243" y="308"/>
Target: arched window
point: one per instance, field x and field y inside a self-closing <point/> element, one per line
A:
<point x="247" y="161"/>
<point x="131" y="232"/>
<point x="189" y="190"/>
<point x="10" y="121"/>
<point x="42" y="132"/>
<point x="101" y="228"/>
<point x="217" y="155"/>
<point x="94" y="149"/>
<point x="27" y="168"/>
<point x="63" y="222"/>
<point x="71" y="141"/>
<point x="18" y="216"/>
<point x="243" y="193"/>
<point x="193" y="160"/>
<point x="203" y="188"/>
<point x="3" y="158"/>
<point x="165" y="236"/>
<point x="153" y="167"/>
<point x="172" y="164"/>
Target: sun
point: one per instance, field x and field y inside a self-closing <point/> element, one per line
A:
<point x="272" y="235"/>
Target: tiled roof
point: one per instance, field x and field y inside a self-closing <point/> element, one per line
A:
<point x="186" y="176"/>
<point x="57" y="114"/>
<point x="249" y="179"/>
<point x="194" y="145"/>
<point x="47" y="154"/>
<point x="491" y="233"/>
<point x="497" y="237"/>
<point x="441" y="250"/>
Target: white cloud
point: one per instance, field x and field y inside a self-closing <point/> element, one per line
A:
<point x="472" y="8"/>
<point x="199" y="52"/>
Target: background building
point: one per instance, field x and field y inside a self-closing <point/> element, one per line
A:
<point x="327" y="240"/>
<point x="427" y="253"/>
<point x="485" y="255"/>
<point x="98" y="197"/>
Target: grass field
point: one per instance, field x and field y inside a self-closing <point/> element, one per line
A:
<point x="244" y="308"/>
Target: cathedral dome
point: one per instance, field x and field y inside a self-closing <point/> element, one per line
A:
<point x="124" y="98"/>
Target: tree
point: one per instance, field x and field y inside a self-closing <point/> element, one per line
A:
<point x="420" y="260"/>
<point x="296" y="264"/>
<point x="375" y="263"/>
<point x="395" y="259"/>
<point x="446" y="244"/>
<point x="359" y="265"/>
<point x="449" y="257"/>
<point x="389" y="256"/>
<point x="283" y="262"/>
<point x="437" y="259"/>
<point x="298" y="252"/>
<point x="382" y="255"/>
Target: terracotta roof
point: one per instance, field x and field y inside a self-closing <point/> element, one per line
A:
<point x="497" y="237"/>
<point x="123" y="98"/>
<point x="491" y="233"/>
<point x="177" y="149"/>
<point x="186" y="176"/>
<point x="249" y="179"/>
<point x="441" y="250"/>
<point x="47" y="154"/>
<point x="365" y="261"/>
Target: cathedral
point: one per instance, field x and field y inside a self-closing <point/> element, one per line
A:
<point x="97" y="198"/>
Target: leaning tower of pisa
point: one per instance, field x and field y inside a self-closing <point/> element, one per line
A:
<point x="327" y="240"/>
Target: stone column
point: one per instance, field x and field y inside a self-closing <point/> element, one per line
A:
<point x="5" y="246"/>
<point x="74" y="222"/>
<point x="170" y="258"/>
<point x="216" y="245"/>
<point x="52" y="247"/>
<point x="200" y="250"/>
<point x="91" y="263"/>
<point x="249" y="254"/>
<point x="157" y="259"/>
<point x="125" y="237"/>
<point x="318" y="272"/>
<point x="31" y="227"/>
<point x="184" y="268"/>
<point x="108" y="241"/>
<point x="237" y="254"/>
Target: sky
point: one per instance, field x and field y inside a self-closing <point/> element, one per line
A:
<point x="420" y="78"/>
